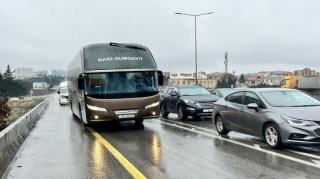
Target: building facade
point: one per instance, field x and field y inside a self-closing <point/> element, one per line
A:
<point x="49" y="72"/>
<point x="273" y="80"/>
<point x="306" y="72"/>
<point x="186" y="78"/>
<point x="23" y="72"/>
<point x="253" y="80"/>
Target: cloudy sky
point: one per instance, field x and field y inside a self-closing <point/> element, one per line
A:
<point x="262" y="35"/>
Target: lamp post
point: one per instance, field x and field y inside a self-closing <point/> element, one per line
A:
<point x="195" y="37"/>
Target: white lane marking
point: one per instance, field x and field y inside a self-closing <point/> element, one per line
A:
<point x="305" y="154"/>
<point x="257" y="146"/>
<point x="184" y="124"/>
<point x="317" y="162"/>
<point x="250" y="146"/>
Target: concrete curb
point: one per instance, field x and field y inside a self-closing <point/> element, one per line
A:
<point x="12" y="137"/>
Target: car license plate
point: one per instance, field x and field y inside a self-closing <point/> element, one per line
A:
<point x="126" y="116"/>
<point x="207" y="110"/>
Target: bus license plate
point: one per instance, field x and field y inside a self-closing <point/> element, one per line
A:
<point x="207" y="110"/>
<point x="126" y="116"/>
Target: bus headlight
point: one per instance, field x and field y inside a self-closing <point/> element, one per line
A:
<point x="152" y="105"/>
<point x="95" y="108"/>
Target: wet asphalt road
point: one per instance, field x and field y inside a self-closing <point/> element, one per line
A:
<point x="59" y="147"/>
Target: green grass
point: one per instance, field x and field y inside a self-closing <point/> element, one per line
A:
<point x="24" y="104"/>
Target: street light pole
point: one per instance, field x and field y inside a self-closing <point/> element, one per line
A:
<point x="195" y="47"/>
<point x="195" y="38"/>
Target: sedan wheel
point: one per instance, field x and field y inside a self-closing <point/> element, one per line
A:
<point x="272" y="136"/>
<point x="220" y="126"/>
<point x="182" y="113"/>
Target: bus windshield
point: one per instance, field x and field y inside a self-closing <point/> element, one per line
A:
<point x="114" y="85"/>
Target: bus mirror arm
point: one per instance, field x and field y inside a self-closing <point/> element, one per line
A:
<point x="160" y="78"/>
<point x="81" y="83"/>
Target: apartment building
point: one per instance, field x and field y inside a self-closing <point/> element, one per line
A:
<point x="306" y="72"/>
<point x="187" y="78"/>
<point x="23" y="72"/>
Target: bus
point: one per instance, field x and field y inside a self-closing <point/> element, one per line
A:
<point x="114" y="82"/>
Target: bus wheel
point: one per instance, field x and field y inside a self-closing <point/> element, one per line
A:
<point x="82" y="122"/>
<point x="72" y="110"/>
<point x="138" y="121"/>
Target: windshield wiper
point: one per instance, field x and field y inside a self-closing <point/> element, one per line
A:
<point x="126" y="46"/>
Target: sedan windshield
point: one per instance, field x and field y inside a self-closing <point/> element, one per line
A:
<point x="289" y="99"/>
<point x="121" y="84"/>
<point x="194" y="91"/>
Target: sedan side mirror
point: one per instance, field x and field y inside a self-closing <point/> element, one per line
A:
<point x="253" y="106"/>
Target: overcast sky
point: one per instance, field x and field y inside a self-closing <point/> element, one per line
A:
<point x="262" y="35"/>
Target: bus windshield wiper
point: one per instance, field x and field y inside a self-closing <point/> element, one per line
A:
<point x="126" y="46"/>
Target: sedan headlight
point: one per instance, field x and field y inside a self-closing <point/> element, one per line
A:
<point x="297" y="122"/>
<point x="188" y="101"/>
<point x="95" y="108"/>
<point x="152" y="105"/>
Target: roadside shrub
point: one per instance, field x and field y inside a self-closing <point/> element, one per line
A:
<point x="5" y="112"/>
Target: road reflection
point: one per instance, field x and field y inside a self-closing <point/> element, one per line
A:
<point x="156" y="149"/>
<point x="98" y="160"/>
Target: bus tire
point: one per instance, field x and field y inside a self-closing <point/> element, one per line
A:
<point x="72" y="110"/>
<point x="82" y="122"/>
<point x="138" y="121"/>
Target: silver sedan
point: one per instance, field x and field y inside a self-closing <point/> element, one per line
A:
<point x="280" y="116"/>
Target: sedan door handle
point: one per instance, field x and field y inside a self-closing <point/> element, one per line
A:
<point x="241" y="110"/>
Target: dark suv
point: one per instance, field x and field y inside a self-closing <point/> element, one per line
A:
<point x="187" y="101"/>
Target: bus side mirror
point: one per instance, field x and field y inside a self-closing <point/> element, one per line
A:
<point x="160" y="78"/>
<point x="81" y="83"/>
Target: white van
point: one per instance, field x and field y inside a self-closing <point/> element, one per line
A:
<point x="63" y="93"/>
